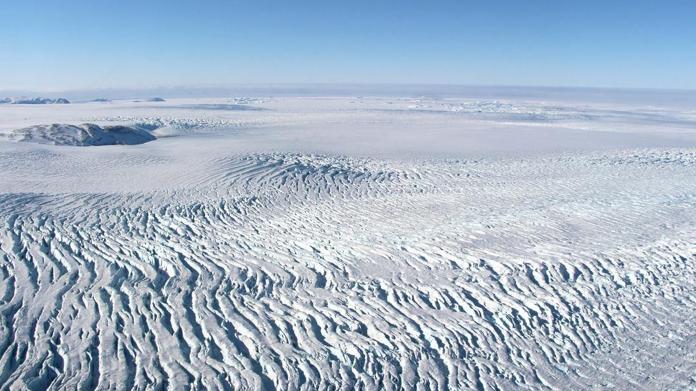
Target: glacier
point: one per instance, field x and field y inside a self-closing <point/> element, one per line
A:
<point x="348" y="243"/>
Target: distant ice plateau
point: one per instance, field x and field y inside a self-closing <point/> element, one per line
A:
<point x="348" y="243"/>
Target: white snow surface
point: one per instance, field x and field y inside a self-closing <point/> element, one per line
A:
<point x="349" y="243"/>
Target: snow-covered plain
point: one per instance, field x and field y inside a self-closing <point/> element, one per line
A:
<point x="341" y="243"/>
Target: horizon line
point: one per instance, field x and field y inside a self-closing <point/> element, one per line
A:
<point x="326" y="85"/>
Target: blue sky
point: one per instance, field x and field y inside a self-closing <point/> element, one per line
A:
<point x="54" y="45"/>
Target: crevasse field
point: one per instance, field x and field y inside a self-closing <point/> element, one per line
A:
<point x="348" y="243"/>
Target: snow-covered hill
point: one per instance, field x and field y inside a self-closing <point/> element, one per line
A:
<point x="82" y="135"/>
<point x="33" y="101"/>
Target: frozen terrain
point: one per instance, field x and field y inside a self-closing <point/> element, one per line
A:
<point x="342" y="243"/>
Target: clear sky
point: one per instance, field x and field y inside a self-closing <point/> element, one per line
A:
<point x="81" y="44"/>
